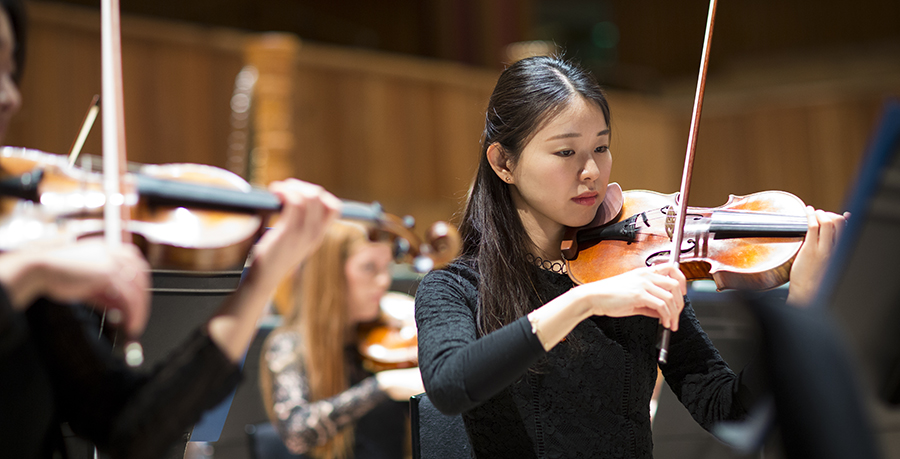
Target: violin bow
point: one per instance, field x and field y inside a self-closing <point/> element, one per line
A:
<point x="86" y="125"/>
<point x="113" y="122"/>
<point x="115" y="212"/>
<point x="682" y="204"/>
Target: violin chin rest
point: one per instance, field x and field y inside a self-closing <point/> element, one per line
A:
<point x="608" y="211"/>
<point x="610" y="207"/>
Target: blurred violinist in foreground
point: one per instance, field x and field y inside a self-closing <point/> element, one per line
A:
<point x="540" y="367"/>
<point x="319" y="397"/>
<point x="55" y="369"/>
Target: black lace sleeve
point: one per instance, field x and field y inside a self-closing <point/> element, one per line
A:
<point x="458" y="370"/>
<point x="301" y="422"/>
<point x="698" y="375"/>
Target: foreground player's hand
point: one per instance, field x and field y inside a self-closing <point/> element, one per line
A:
<point x="307" y="210"/>
<point x="88" y="272"/>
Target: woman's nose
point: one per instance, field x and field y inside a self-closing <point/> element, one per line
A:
<point x="10" y="98"/>
<point x="590" y="171"/>
<point x="384" y="279"/>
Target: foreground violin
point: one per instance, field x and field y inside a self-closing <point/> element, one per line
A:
<point x="183" y="216"/>
<point x="747" y="243"/>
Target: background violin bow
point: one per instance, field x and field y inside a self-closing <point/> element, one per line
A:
<point x="86" y="126"/>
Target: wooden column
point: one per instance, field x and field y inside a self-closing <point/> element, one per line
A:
<point x="274" y="57"/>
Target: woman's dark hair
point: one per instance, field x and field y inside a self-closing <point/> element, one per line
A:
<point x="16" y="12"/>
<point x="528" y="94"/>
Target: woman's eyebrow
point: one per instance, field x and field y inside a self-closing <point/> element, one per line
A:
<point x="575" y="134"/>
<point x="565" y="136"/>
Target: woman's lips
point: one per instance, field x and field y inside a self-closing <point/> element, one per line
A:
<point x="586" y="199"/>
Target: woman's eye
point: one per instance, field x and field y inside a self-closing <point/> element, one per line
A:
<point x="601" y="149"/>
<point x="565" y="153"/>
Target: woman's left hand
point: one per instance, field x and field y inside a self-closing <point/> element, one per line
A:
<point x="305" y="213"/>
<point x="812" y="260"/>
<point x="307" y="210"/>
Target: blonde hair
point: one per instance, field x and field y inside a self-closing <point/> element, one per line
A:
<point x="320" y="315"/>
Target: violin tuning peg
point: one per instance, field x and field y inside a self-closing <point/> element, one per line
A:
<point x="401" y="248"/>
<point x="422" y="264"/>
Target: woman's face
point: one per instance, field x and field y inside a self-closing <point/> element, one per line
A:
<point x="368" y="278"/>
<point x="562" y="173"/>
<point x="10" y="99"/>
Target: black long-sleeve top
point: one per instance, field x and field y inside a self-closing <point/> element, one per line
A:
<point x="53" y="371"/>
<point x="587" y="397"/>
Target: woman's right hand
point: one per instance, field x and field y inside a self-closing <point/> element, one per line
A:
<point x="656" y="291"/>
<point x="88" y="271"/>
<point x="402" y="384"/>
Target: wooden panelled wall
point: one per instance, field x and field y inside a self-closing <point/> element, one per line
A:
<point x="802" y="138"/>
<point x="178" y="80"/>
<point x="402" y="131"/>
<point x="405" y="131"/>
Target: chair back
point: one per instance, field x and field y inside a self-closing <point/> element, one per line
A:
<point x="434" y="434"/>
<point x="265" y="443"/>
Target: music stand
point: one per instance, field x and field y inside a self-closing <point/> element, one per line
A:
<point x="862" y="285"/>
<point x="820" y="407"/>
<point x="182" y="301"/>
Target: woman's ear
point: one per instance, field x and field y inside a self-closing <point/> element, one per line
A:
<point x="499" y="162"/>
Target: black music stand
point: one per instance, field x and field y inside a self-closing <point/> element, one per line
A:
<point x="860" y="301"/>
<point x="814" y="355"/>
<point x="862" y="285"/>
<point x="182" y="301"/>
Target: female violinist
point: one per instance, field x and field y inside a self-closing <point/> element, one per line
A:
<point x="537" y="366"/>
<point x="55" y="370"/>
<point x="317" y="393"/>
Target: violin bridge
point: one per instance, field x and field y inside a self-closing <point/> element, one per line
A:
<point x="670" y="222"/>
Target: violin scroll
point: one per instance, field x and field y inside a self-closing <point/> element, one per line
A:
<point x="441" y="245"/>
<point x="444" y="243"/>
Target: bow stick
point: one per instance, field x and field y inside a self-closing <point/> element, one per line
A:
<point x="115" y="212"/>
<point x="688" y="167"/>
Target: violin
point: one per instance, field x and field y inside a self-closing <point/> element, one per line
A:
<point x="391" y="342"/>
<point x="183" y="216"/>
<point x="676" y="215"/>
<point x="747" y="243"/>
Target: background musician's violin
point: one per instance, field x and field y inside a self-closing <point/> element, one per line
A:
<point x="392" y="341"/>
<point x="747" y="243"/>
<point x="183" y="216"/>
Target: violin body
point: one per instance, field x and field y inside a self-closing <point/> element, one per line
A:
<point x="67" y="203"/>
<point x="747" y="243"/>
<point x="391" y="342"/>
<point x="177" y="237"/>
<point x="183" y="216"/>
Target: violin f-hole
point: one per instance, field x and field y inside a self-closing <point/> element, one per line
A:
<point x="663" y="255"/>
